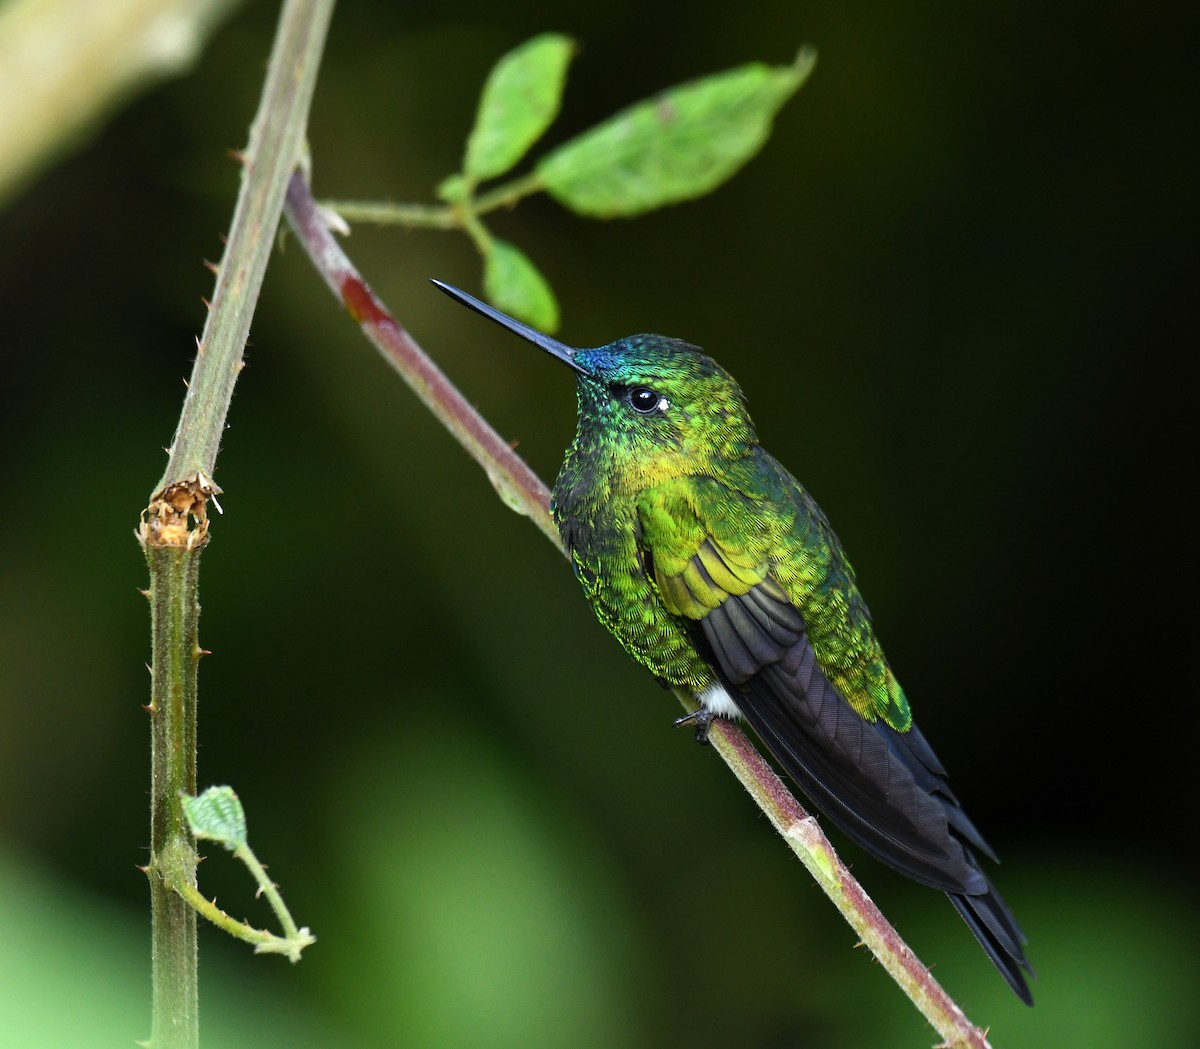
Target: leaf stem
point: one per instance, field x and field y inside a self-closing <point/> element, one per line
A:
<point x="437" y="216"/>
<point x="521" y="489"/>
<point x="414" y="216"/>
<point x="268" y="888"/>
<point x="290" y="944"/>
<point x="508" y="193"/>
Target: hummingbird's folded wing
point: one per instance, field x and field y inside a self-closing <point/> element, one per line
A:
<point x="884" y="789"/>
<point x="738" y="563"/>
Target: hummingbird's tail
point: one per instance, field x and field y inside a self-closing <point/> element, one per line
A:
<point x="999" y="935"/>
<point x="901" y="810"/>
<point x="884" y="788"/>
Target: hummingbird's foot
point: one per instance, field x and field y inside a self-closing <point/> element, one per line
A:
<point x="702" y="718"/>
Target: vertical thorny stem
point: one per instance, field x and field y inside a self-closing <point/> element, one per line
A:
<point x="174" y="619"/>
<point x="174" y="527"/>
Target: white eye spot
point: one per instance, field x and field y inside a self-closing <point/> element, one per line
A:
<point x="644" y="400"/>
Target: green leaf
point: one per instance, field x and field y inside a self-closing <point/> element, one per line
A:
<point x="515" y="285"/>
<point x="682" y="144"/>
<point x="519" y="101"/>
<point x="453" y="189"/>
<point x="217" y="815"/>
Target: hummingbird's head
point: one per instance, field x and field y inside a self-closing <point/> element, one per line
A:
<point x="660" y="402"/>
<point x="652" y="404"/>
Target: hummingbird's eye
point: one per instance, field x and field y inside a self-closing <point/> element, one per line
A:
<point x="643" y="399"/>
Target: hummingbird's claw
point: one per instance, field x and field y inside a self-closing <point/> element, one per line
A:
<point x="702" y="718"/>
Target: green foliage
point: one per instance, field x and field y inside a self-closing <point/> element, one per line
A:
<point x="520" y="100"/>
<point x="514" y="284"/>
<point x="677" y="146"/>
<point x="217" y="815"/>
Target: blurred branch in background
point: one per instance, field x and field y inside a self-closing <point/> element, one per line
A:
<point x="66" y="63"/>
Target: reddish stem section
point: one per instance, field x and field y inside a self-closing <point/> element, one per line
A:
<point x="521" y="487"/>
<point x="361" y="304"/>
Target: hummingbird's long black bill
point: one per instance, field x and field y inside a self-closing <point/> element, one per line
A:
<point x="559" y="351"/>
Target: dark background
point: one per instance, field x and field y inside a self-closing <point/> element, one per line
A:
<point x="953" y="286"/>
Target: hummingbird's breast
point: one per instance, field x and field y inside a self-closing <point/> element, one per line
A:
<point x="597" y="521"/>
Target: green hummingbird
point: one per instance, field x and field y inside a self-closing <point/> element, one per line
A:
<point x="718" y="572"/>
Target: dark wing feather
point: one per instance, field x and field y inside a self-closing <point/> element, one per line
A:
<point x="859" y="773"/>
<point x="884" y="788"/>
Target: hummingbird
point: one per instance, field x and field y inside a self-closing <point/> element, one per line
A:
<point x="718" y="572"/>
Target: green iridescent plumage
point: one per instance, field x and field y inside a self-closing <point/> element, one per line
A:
<point x="716" y="570"/>
<point x="690" y="483"/>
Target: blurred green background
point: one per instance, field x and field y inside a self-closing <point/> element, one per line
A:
<point x="953" y="287"/>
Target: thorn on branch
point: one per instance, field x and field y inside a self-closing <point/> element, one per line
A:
<point x="333" y="221"/>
